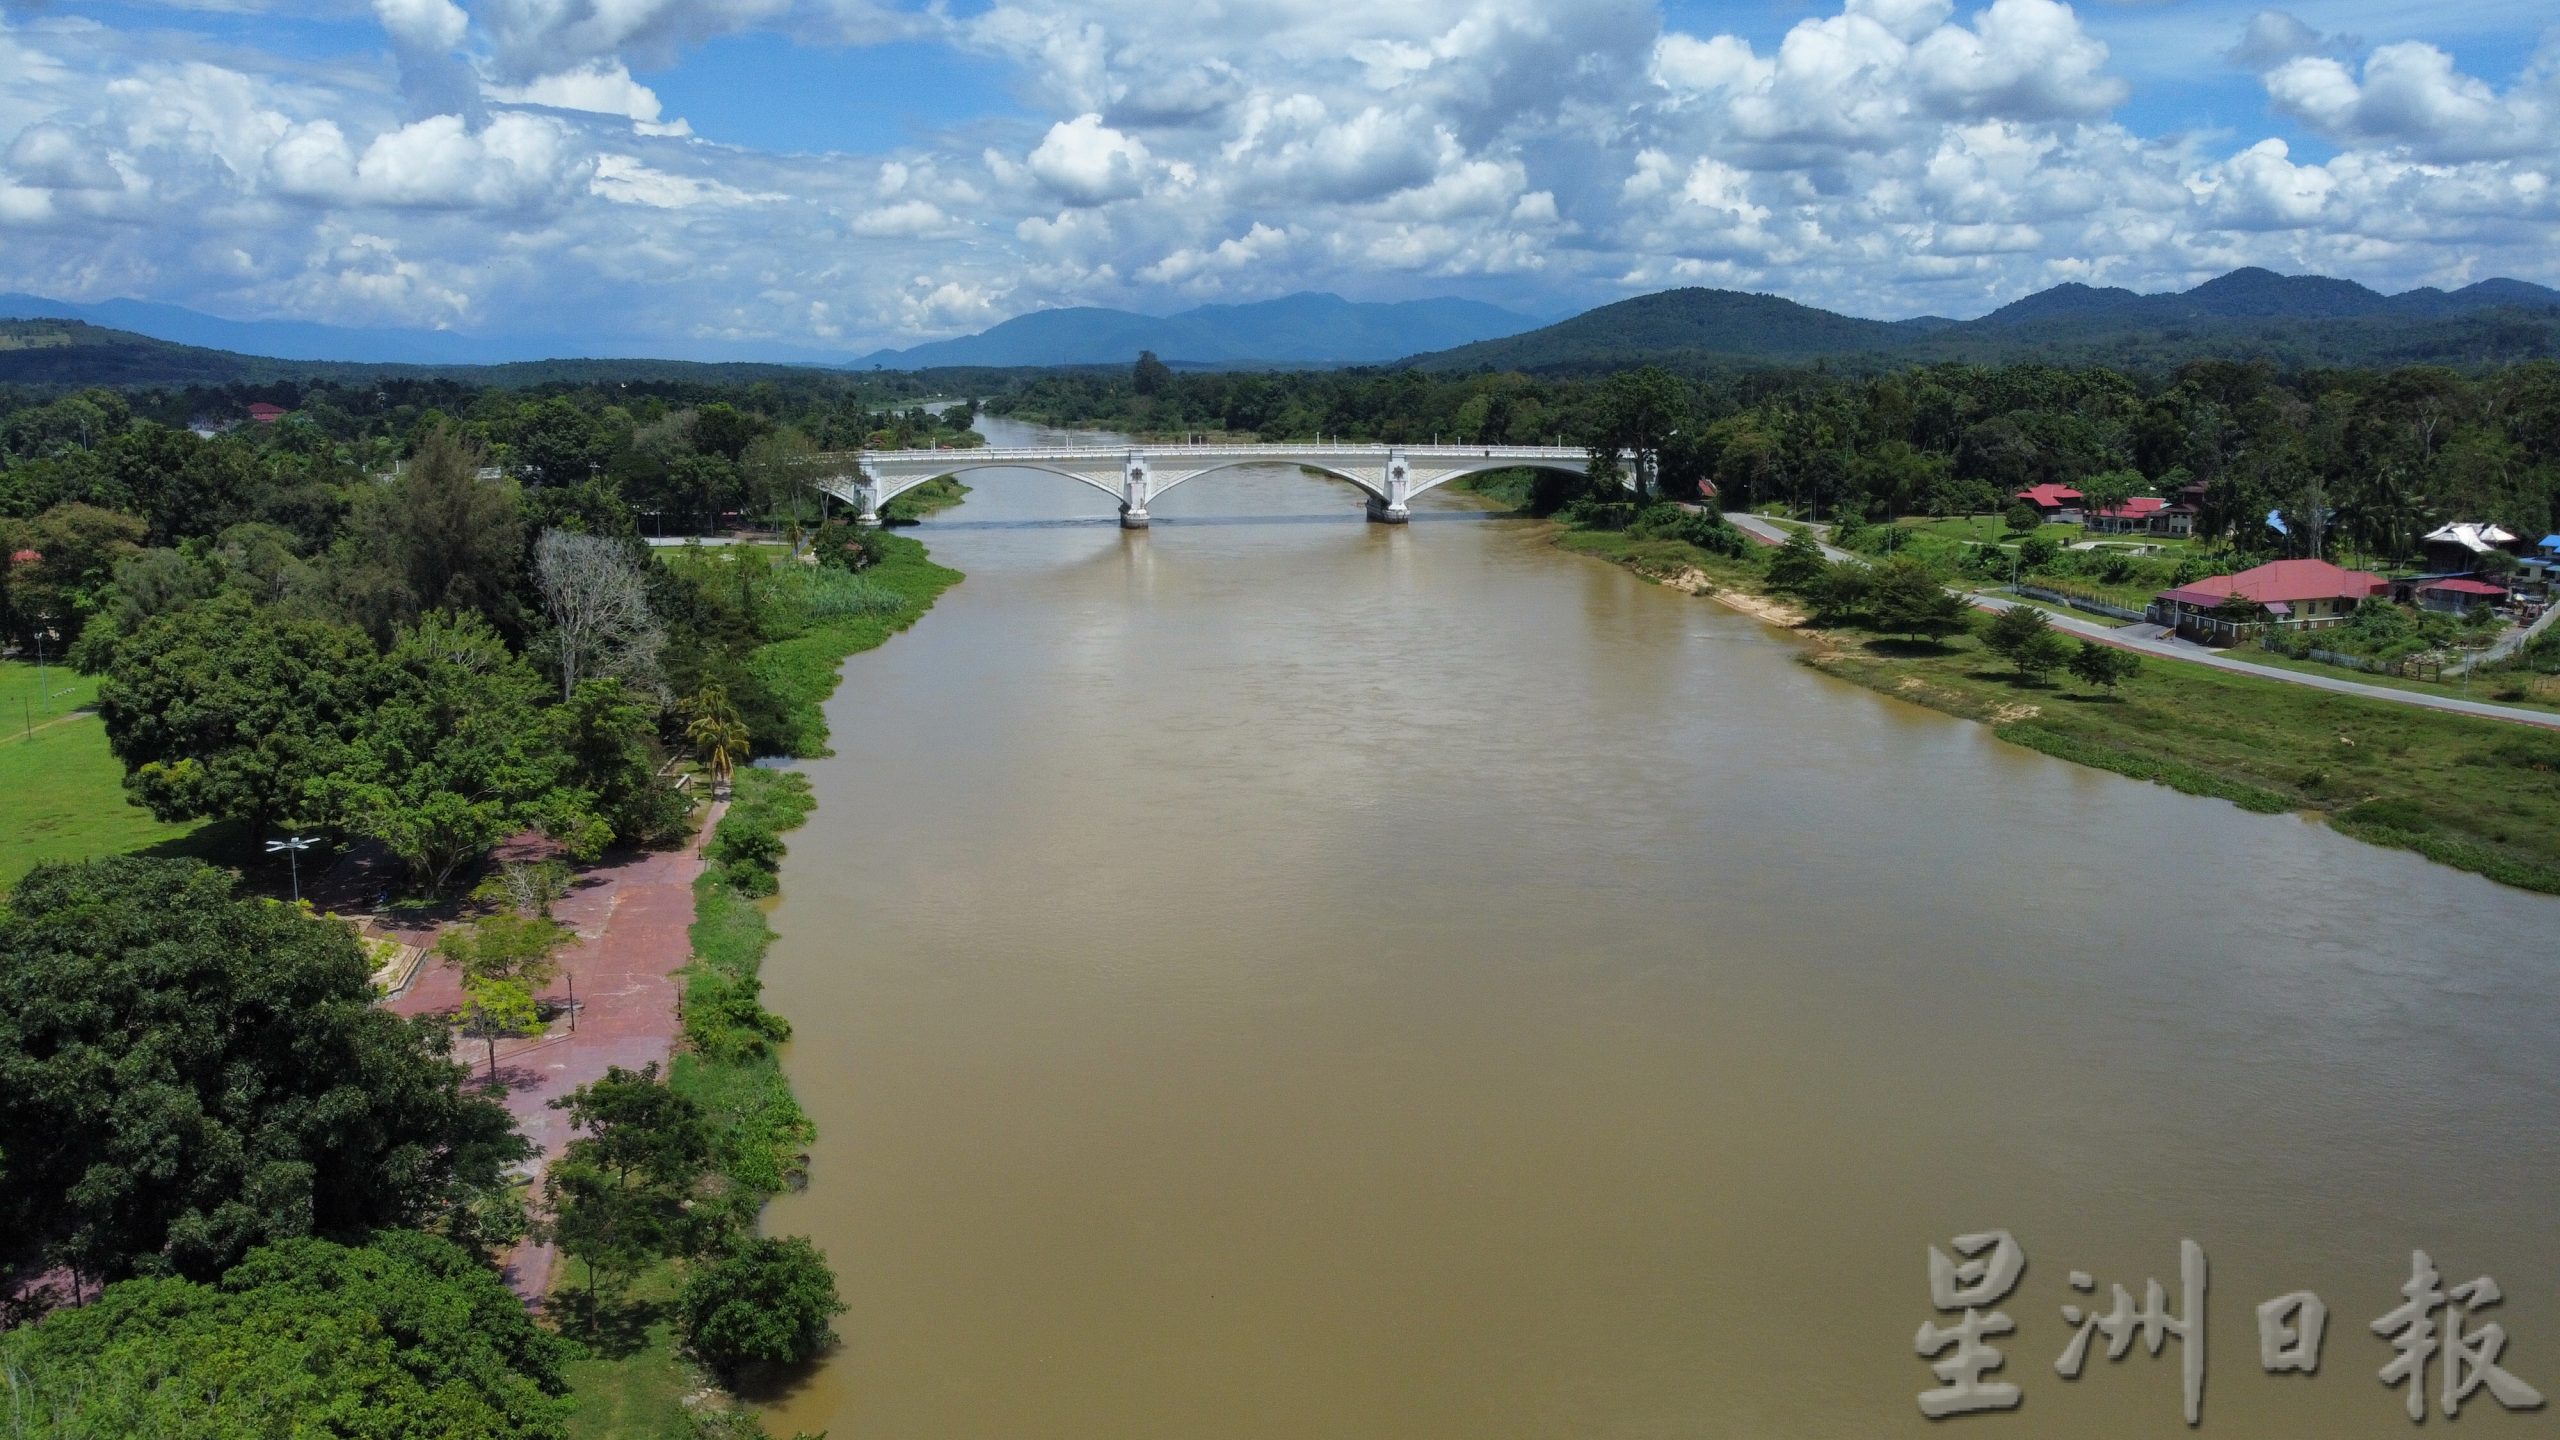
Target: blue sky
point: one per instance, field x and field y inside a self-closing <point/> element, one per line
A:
<point x="799" y="177"/>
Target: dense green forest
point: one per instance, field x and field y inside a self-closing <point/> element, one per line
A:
<point x="2371" y="457"/>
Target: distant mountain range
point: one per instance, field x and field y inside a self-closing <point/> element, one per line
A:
<point x="2296" y="319"/>
<point x="1301" y="329"/>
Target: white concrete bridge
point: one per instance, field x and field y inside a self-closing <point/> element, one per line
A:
<point x="1391" y="475"/>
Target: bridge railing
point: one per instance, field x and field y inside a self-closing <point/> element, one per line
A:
<point x="989" y="455"/>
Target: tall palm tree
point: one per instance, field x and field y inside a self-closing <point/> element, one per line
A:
<point x="718" y="736"/>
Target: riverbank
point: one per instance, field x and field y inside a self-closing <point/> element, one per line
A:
<point x="729" y="1062"/>
<point x="2478" y="795"/>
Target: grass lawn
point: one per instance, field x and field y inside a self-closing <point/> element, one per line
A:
<point x="2480" y="795"/>
<point x="629" y="1382"/>
<point x="65" y="792"/>
<point x="2502" y="689"/>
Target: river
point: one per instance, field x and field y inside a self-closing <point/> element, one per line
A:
<point x="1277" y="976"/>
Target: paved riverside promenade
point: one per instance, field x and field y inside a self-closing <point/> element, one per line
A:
<point x="631" y="919"/>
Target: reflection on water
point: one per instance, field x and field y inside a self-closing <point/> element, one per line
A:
<point x="1279" y="976"/>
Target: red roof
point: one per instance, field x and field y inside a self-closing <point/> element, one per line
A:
<point x="2464" y="586"/>
<point x="2282" y="582"/>
<point x="27" y="557"/>
<point x="2140" y="507"/>
<point x="266" y="414"/>
<point x="2049" y="497"/>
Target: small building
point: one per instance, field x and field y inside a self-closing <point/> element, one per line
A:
<point x="2457" y="594"/>
<point x="2058" y="504"/>
<point x="2456" y="549"/>
<point x="2549" y="549"/>
<point x="265" y="414"/>
<point x="2285" y="594"/>
<point x="2133" y="517"/>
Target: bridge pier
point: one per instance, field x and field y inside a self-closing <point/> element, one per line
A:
<point x="1393" y="510"/>
<point x="1133" y="491"/>
<point x="867" y="506"/>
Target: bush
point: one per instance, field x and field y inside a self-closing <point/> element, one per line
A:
<point x="769" y="1303"/>
<point x="2023" y="517"/>
<point x="1708" y="530"/>
<point x="1601" y="514"/>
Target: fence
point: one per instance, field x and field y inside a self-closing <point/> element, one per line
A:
<point x="2079" y="600"/>
<point x="2407" y="667"/>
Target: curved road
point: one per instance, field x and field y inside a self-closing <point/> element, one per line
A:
<point x="2152" y="640"/>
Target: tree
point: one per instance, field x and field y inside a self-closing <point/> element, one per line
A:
<point x="1150" y="376"/>
<point x="226" y="710"/>
<point x="769" y="1302"/>
<point x="455" y="756"/>
<point x="439" y="537"/>
<point x="716" y="732"/>
<point x="2109" y="489"/>
<point x="609" y="741"/>
<point x="2023" y="517"/>
<point x="2013" y="629"/>
<point x="619" y="1193"/>
<point x="506" y="946"/>
<point x="2035" y="553"/>
<point x="2042" y="655"/>
<point x="597" y="598"/>
<point x="185" y="1074"/>
<point x="2104" y="666"/>
<point x="407" y="1335"/>
<point x="1798" y="563"/>
<point x="1839" y="593"/>
<point x="1636" y="411"/>
<point x="495" y="1005"/>
<point x="1906" y="599"/>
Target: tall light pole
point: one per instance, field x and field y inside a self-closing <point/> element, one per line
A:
<point x="293" y="846"/>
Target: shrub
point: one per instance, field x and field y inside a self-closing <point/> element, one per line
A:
<point x="769" y="1303"/>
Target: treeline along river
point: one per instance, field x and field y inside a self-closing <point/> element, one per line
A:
<point x="1279" y="976"/>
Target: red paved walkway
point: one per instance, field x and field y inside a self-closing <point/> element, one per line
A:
<point x="631" y="918"/>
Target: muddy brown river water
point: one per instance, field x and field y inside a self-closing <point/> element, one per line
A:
<point x="1274" y="976"/>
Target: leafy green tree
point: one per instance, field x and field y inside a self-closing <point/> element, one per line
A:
<point x="495" y="1005"/>
<point x="1798" y="563"/>
<point x="1635" y="411"/>
<point x="440" y="536"/>
<point x="2013" y="629"/>
<point x="456" y="756"/>
<point x="506" y="946"/>
<point x="1905" y="598"/>
<point x="619" y="1194"/>
<point x="2036" y="554"/>
<point x="1150" y="376"/>
<point x="2109" y="489"/>
<point x="717" y="735"/>
<point x="608" y="738"/>
<point x="407" y="1335"/>
<point x="2023" y="518"/>
<point x="185" y="1074"/>
<point x="2104" y="667"/>
<point x="769" y="1302"/>
<point x="227" y="710"/>
<point x="2042" y="654"/>
<point x="1840" y="593"/>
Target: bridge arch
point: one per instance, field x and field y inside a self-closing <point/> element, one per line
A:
<point x="892" y="489"/>
<point x="1556" y="467"/>
<point x="1367" y="487"/>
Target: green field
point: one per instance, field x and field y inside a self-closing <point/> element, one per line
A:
<point x="2480" y="795"/>
<point x="60" y="789"/>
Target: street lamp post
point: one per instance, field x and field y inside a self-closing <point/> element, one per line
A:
<point x="293" y="846"/>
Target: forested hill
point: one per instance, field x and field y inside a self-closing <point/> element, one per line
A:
<point x="68" y="354"/>
<point x="2296" y="321"/>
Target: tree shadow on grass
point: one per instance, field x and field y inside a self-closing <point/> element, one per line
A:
<point x="1895" y="647"/>
<point x="612" y="1325"/>
<point x="2093" y="698"/>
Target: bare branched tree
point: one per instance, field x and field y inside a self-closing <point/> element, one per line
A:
<point x="598" y="601"/>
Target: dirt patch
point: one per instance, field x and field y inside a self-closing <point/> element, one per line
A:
<point x="1760" y="607"/>
<point x="2011" y="714"/>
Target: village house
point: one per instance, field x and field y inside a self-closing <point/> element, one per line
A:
<point x="2058" y="504"/>
<point x="2456" y="549"/>
<point x="265" y="414"/>
<point x="2286" y="594"/>
<point x="2454" y="594"/>
<point x="2133" y="517"/>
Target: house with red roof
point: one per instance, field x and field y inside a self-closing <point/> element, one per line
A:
<point x="266" y="414"/>
<point x="2455" y="594"/>
<point x="2058" y="504"/>
<point x="2133" y="517"/>
<point x="2286" y="594"/>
